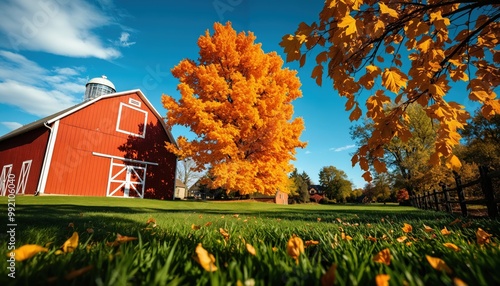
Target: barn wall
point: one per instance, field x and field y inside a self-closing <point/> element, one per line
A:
<point x="102" y="128"/>
<point x="22" y="148"/>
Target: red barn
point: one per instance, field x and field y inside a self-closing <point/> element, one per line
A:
<point x="112" y="145"/>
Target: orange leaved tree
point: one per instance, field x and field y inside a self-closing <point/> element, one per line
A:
<point x="238" y="101"/>
<point x="402" y="52"/>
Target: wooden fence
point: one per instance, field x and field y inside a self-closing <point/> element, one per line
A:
<point x="447" y="199"/>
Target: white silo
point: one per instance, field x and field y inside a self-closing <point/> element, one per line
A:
<point x="98" y="86"/>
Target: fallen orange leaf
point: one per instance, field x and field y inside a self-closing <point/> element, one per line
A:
<point x="445" y="231"/>
<point x="457" y="220"/>
<point x="123" y="238"/>
<point x="407" y="228"/>
<point x="295" y="247"/>
<point x="311" y="242"/>
<point x="208" y="223"/>
<point x="345" y="237"/>
<point x="482" y="236"/>
<point x="458" y="282"/>
<point x="371" y="238"/>
<point x="71" y="244"/>
<point x="205" y="259"/>
<point x="428" y="228"/>
<point x="438" y="264"/>
<point x="250" y="249"/>
<point x="382" y="280"/>
<point x="451" y="246"/>
<point x="328" y="278"/>
<point x="26" y="251"/>
<point x="195" y="227"/>
<point x="224" y="233"/>
<point x="383" y="256"/>
<point x="402" y="238"/>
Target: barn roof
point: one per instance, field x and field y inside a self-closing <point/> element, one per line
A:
<point x="63" y="113"/>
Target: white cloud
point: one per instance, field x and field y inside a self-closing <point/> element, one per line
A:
<point x="123" y="41"/>
<point x="36" y="90"/>
<point x="340" y="149"/>
<point x="11" y="125"/>
<point x="55" y="26"/>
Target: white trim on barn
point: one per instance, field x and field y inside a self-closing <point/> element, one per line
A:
<point x="4" y="178"/>
<point x="23" y="176"/>
<point x="129" y="132"/>
<point x="48" y="158"/>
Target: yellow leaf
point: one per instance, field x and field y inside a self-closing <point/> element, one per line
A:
<point x="402" y="238"/>
<point x="195" y="227"/>
<point x="428" y="228"/>
<point x="482" y="236"/>
<point x="383" y="256"/>
<point x="453" y="163"/>
<point x="301" y="38"/>
<point x="384" y="9"/>
<point x="224" y="233"/>
<point x="295" y="247"/>
<point x="445" y="231"/>
<point x="250" y="249"/>
<point x="393" y="79"/>
<point x="345" y="237"/>
<point x="205" y="259"/>
<point x="349" y="23"/>
<point x="407" y="228"/>
<point x="451" y="246"/>
<point x="438" y="264"/>
<point x="458" y="282"/>
<point x="71" y="244"/>
<point x="26" y="251"/>
<point x="382" y="280"/>
<point x="328" y="278"/>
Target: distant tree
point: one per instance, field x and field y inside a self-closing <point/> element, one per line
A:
<point x="362" y="45"/>
<point x="402" y="195"/>
<point x="306" y="178"/>
<point x="186" y="172"/>
<point x="382" y="187"/>
<point x="300" y="186"/>
<point x="482" y="141"/>
<point x="335" y="183"/>
<point x="238" y="101"/>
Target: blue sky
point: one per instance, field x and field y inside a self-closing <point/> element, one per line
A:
<point x="49" y="49"/>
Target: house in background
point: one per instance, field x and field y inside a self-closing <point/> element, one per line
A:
<point x="112" y="144"/>
<point x="180" y="190"/>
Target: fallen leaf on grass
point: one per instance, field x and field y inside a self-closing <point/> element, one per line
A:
<point x="457" y="220"/>
<point x="311" y="242"/>
<point x="459" y="282"/>
<point x="328" y="278"/>
<point x="482" y="236"/>
<point x="121" y="239"/>
<point x="205" y="259"/>
<point x="295" y="247"/>
<point x="250" y="249"/>
<point x="445" y="231"/>
<point x="71" y="244"/>
<point x="26" y="251"/>
<point x="451" y="246"/>
<point x="383" y="256"/>
<point x="345" y="237"/>
<point x="151" y="220"/>
<point x="371" y="238"/>
<point x="407" y="228"/>
<point x="224" y="233"/>
<point x="79" y="272"/>
<point x="208" y="224"/>
<point x="382" y="280"/>
<point x="428" y="228"/>
<point x="401" y="238"/>
<point x="195" y="227"/>
<point x="438" y="264"/>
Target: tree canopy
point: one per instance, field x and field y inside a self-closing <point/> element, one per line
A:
<point x="237" y="99"/>
<point x="362" y="45"/>
<point x="335" y="183"/>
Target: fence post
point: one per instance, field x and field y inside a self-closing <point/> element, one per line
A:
<point x="427" y="201"/>
<point x="418" y="201"/>
<point x="487" y="188"/>
<point x="460" y="192"/>
<point x="447" y="198"/>
<point x="436" y="201"/>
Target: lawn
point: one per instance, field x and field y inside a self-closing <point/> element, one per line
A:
<point x="164" y="251"/>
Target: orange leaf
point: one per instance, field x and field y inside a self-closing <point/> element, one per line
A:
<point x="458" y="282"/>
<point x="311" y="242"/>
<point x="482" y="236"/>
<point x="407" y="228"/>
<point x="453" y="163"/>
<point x="224" y="233"/>
<point x="355" y="114"/>
<point x="457" y="220"/>
<point x="295" y="247"/>
<point x="71" y="244"/>
<point x="393" y="79"/>
<point x="26" y="251"/>
<point x="328" y="278"/>
<point x="123" y="238"/>
<point x="402" y="238"/>
<point x="382" y="280"/>
<point x="371" y="238"/>
<point x="205" y="259"/>
<point x="445" y="231"/>
<point x="195" y="227"/>
<point x="250" y="249"/>
<point x="451" y="246"/>
<point x="384" y="9"/>
<point x="383" y="256"/>
<point x="438" y="264"/>
<point x="428" y="228"/>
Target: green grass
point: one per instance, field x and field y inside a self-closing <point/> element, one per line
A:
<point x="164" y="255"/>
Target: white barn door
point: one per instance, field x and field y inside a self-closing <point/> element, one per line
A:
<point x="126" y="180"/>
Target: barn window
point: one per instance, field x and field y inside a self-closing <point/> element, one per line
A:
<point x="134" y="102"/>
<point x="132" y="120"/>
